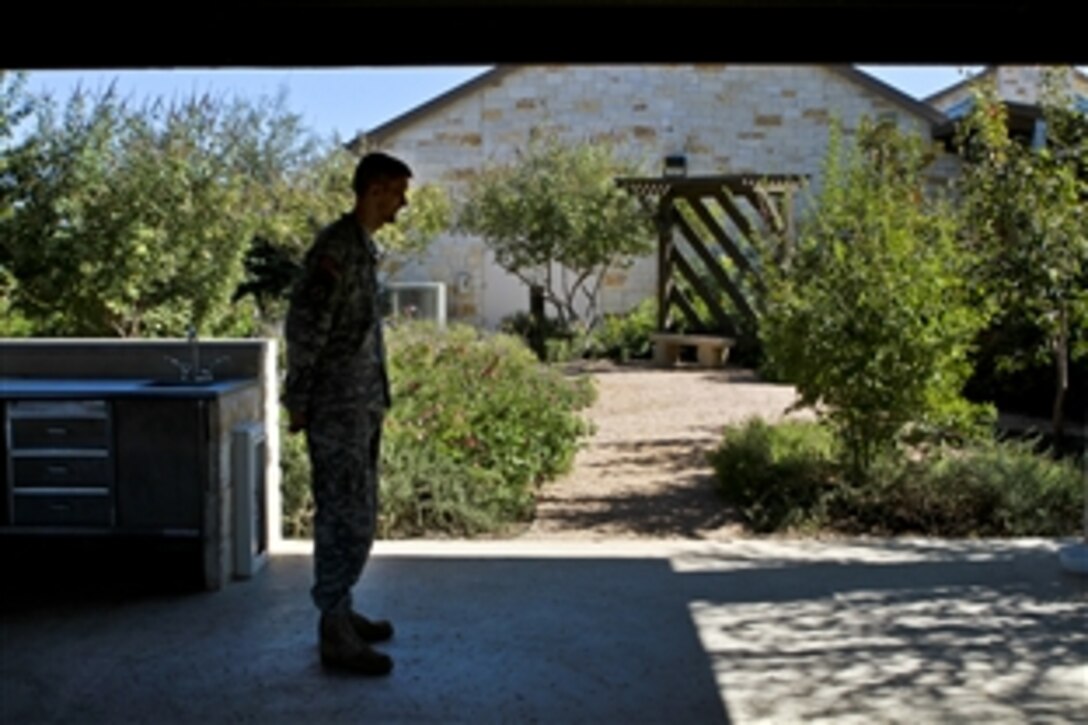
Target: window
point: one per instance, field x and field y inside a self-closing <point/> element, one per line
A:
<point x="960" y="109"/>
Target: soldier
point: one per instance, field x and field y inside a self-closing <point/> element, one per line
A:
<point x="337" y="391"/>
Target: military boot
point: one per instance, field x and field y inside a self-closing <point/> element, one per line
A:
<point x="343" y="648"/>
<point x="371" y="630"/>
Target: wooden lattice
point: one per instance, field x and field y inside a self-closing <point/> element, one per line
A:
<point x="702" y="221"/>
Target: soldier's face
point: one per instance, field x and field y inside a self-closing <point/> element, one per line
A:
<point x="392" y="197"/>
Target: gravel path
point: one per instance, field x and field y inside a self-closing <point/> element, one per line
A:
<point x="644" y="472"/>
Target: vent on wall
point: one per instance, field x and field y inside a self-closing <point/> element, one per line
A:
<point x="416" y="301"/>
<point x="248" y="450"/>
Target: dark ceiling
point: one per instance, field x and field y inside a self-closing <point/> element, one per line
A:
<point x="422" y="32"/>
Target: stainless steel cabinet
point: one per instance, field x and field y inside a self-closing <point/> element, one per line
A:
<point x="60" y="463"/>
<point x="138" y="465"/>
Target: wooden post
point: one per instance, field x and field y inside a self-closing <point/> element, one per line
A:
<point x="664" y="260"/>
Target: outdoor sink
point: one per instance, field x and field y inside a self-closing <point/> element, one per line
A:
<point x="180" y="383"/>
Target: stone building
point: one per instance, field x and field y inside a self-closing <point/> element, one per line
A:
<point x="723" y="119"/>
<point x="1020" y="88"/>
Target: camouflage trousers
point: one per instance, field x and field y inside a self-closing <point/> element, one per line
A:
<point x="344" y="452"/>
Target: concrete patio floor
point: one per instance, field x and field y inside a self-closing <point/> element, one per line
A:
<point x="522" y="631"/>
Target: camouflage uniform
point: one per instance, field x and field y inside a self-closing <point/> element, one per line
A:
<point x="336" y="376"/>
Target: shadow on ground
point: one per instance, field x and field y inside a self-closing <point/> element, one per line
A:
<point x="509" y="631"/>
<point x="679" y="454"/>
<point x="684" y="503"/>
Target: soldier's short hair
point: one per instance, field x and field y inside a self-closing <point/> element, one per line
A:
<point x="377" y="166"/>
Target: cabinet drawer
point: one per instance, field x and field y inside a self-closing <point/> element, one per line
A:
<point x="62" y="472"/>
<point x="60" y="433"/>
<point x="33" y="509"/>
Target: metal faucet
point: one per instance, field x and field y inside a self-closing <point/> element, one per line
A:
<point x="183" y="368"/>
<point x="194" y="353"/>
<point x="192" y="372"/>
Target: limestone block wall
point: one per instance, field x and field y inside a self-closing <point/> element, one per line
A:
<point x="726" y="119"/>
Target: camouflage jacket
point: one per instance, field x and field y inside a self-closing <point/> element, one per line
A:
<point x="335" y="352"/>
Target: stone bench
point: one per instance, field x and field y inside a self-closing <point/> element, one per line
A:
<point x="711" y="351"/>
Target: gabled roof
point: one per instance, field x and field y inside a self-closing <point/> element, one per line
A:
<point x="382" y="132"/>
<point x="985" y="72"/>
<point x="379" y="133"/>
<point x="890" y="93"/>
<point x="959" y="85"/>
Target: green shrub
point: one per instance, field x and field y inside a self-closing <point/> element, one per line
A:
<point x="550" y="339"/>
<point x="476" y="424"/>
<point x="776" y="475"/>
<point x="297" y="502"/>
<point x="484" y="405"/>
<point x="787" y="477"/>
<point x="522" y="324"/>
<point x="986" y="489"/>
<point x="627" y="335"/>
<point x="617" y="336"/>
<point x="874" y="317"/>
<point x="423" y="492"/>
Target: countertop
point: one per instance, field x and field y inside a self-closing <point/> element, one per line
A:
<point x="68" y="388"/>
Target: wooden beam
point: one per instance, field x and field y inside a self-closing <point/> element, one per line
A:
<point x="769" y="195"/>
<point x="726" y="202"/>
<point x="716" y="270"/>
<point x="647" y="206"/>
<point x="742" y="221"/>
<point x="720" y="235"/>
<point x="766" y="202"/>
<point x="711" y="301"/>
<point x="678" y="299"/>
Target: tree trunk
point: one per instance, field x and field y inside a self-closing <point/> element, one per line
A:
<point x="1061" y="359"/>
<point x="537" y="321"/>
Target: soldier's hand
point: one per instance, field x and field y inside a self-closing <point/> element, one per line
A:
<point x="296" y="421"/>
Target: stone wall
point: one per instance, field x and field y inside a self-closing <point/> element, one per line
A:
<point x="726" y="119"/>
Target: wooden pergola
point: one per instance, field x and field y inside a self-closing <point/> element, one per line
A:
<point x="701" y="219"/>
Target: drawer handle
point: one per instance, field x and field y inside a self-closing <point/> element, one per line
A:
<point x="57" y="470"/>
<point x="60" y="507"/>
<point x="56" y="430"/>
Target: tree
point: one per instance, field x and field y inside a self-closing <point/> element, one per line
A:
<point x="1026" y="217"/>
<point x="134" y="221"/>
<point x="314" y="197"/>
<point x="873" y="318"/>
<point x="428" y="214"/>
<point x="15" y="106"/>
<point x="555" y="210"/>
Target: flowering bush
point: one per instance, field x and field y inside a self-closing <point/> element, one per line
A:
<point x="483" y="406"/>
<point x="477" y="424"/>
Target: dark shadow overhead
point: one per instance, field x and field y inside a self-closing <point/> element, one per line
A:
<point x="295" y="33"/>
